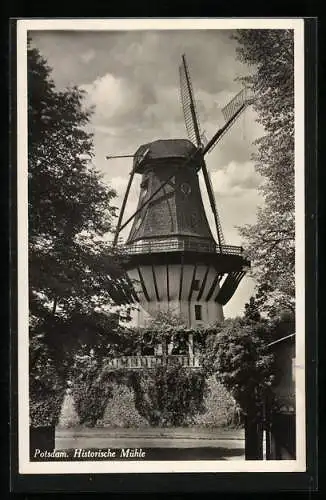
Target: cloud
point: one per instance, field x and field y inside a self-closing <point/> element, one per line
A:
<point x="126" y="105"/>
<point x="235" y="178"/>
<point x="88" y="56"/>
<point x="111" y="96"/>
<point x="237" y="198"/>
<point x="119" y="184"/>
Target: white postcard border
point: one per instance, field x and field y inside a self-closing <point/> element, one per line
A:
<point x="68" y="467"/>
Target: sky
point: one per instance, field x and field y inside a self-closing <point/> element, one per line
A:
<point x="132" y="80"/>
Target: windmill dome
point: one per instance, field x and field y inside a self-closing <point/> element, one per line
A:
<point x="165" y="149"/>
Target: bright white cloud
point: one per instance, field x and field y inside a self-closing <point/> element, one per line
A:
<point x="111" y="96"/>
<point x="235" y="179"/>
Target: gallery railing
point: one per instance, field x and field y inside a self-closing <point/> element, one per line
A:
<point x="140" y="362"/>
<point x="179" y="244"/>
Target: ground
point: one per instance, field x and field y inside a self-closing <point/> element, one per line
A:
<point x="177" y="443"/>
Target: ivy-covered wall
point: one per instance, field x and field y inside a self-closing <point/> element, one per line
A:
<point x="121" y="411"/>
<point x="166" y="395"/>
<point x="221" y="407"/>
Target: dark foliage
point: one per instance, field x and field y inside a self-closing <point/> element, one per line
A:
<point x="238" y="356"/>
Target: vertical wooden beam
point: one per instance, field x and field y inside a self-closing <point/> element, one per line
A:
<point x="191" y="348"/>
<point x="143" y="284"/>
<point x="202" y="288"/>
<point x="192" y="283"/>
<point x="181" y="280"/>
<point x="155" y="283"/>
<point x="167" y="282"/>
<point x="213" y="286"/>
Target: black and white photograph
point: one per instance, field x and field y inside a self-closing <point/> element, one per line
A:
<point x="161" y="257"/>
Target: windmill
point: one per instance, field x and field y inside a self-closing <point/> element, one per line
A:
<point x="172" y="258"/>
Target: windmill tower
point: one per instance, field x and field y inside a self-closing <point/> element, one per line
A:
<point x="172" y="258"/>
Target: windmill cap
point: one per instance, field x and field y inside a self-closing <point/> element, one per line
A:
<point x="164" y="149"/>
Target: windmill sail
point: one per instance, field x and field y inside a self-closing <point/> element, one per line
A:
<point x="189" y="104"/>
<point x="230" y="112"/>
<point x="241" y="99"/>
<point x="217" y="220"/>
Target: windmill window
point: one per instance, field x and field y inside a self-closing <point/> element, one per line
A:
<point x="198" y="313"/>
<point x="196" y="285"/>
<point x="144" y="188"/>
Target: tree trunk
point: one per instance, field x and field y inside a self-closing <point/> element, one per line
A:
<point x="54" y="307"/>
<point x="253" y="437"/>
<point x="41" y="438"/>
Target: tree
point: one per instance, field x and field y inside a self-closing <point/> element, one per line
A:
<point x="252" y="310"/>
<point x="69" y="205"/>
<point x="237" y="354"/>
<point x="73" y="272"/>
<point x="270" y="240"/>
